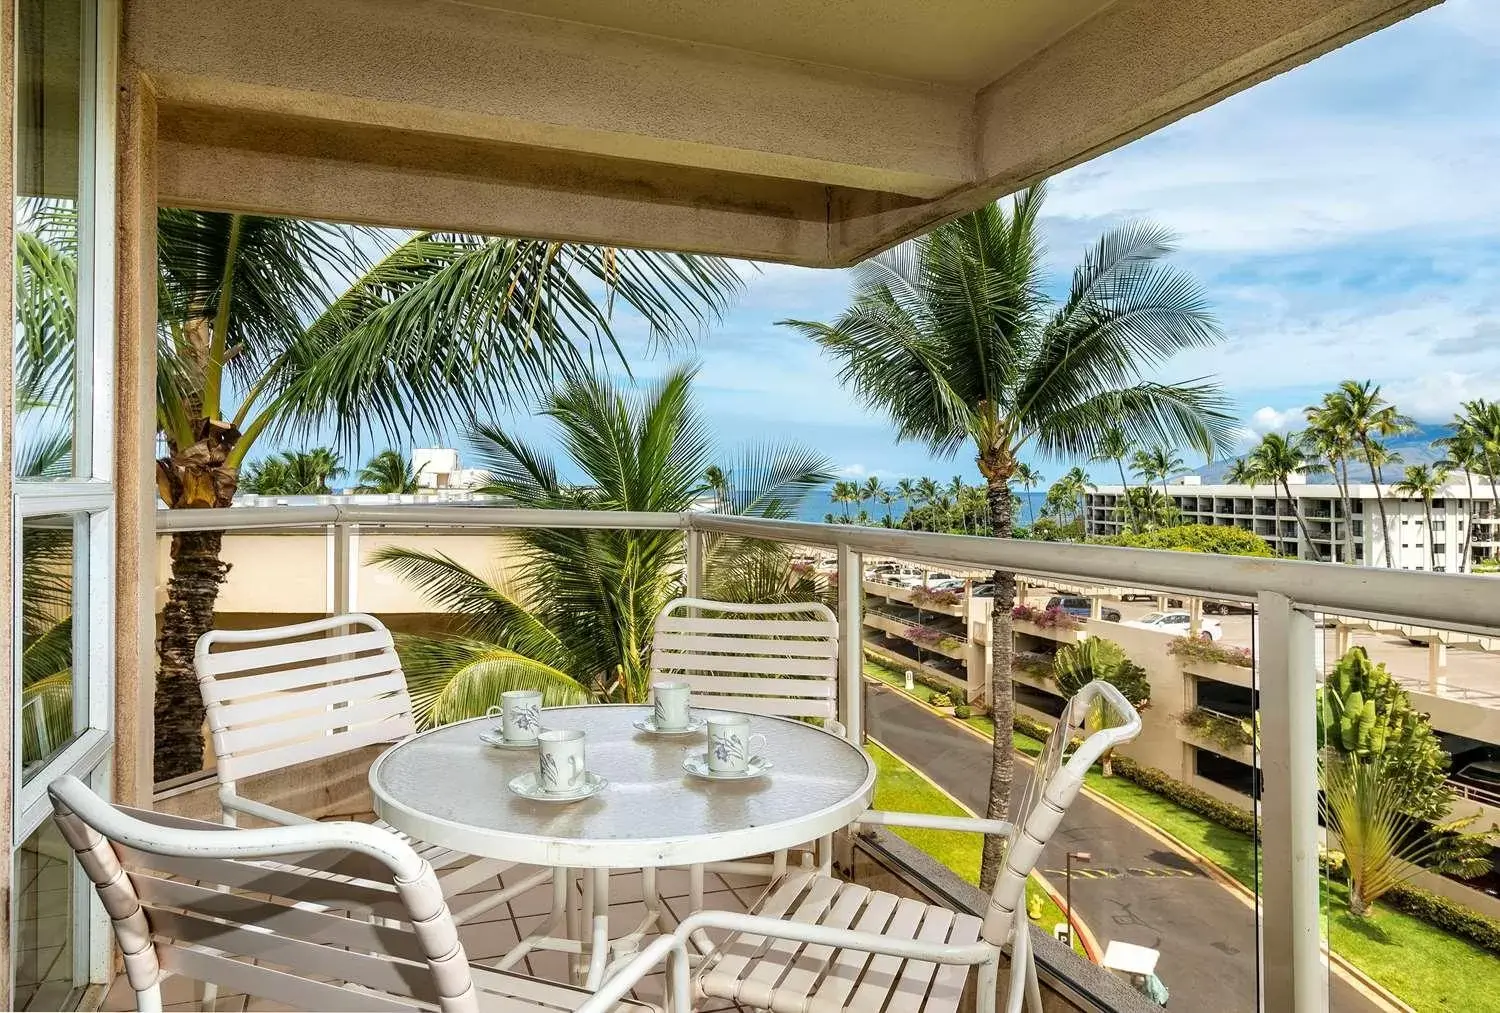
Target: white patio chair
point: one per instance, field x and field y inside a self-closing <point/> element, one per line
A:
<point x="288" y="695"/>
<point x="759" y="659"/>
<point x="817" y="943"/>
<point x="236" y="908"/>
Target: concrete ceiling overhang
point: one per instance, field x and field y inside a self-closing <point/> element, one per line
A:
<point x="807" y="131"/>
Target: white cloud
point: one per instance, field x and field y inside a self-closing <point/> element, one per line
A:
<point x="852" y="471"/>
<point x="1270" y="420"/>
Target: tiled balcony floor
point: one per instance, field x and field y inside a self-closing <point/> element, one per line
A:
<point x="493" y="933"/>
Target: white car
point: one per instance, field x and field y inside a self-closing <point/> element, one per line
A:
<point x="1179" y="623"/>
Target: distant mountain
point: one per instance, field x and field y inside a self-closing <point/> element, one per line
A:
<point x="1414" y="447"/>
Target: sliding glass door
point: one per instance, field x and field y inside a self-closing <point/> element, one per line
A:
<point x="62" y="386"/>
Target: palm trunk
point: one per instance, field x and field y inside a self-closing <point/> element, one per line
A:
<point x="1129" y="506"/>
<point x="1002" y="697"/>
<point x="1466" y="563"/>
<point x="1297" y="513"/>
<point x="1431" y="536"/>
<point x="1385" y="528"/>
<point x="195" y="477"/>
<point x="1341" y="479"/>
<point x="1495" y="499"/>
<point x="197" y="574"/>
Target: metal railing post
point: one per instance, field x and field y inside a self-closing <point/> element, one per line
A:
<point x="851" y="642"/>
<point x="344" y="552"/>
<point x="692" y="578"/>
<point x="1292" y="974"/>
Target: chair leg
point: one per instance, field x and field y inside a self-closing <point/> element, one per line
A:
<point x="148" y="1000"/>
<point x="1020" y="957"/>
<point x="986" y="981"/>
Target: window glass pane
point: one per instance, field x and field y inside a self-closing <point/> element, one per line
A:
<point x="48" y="134"/>
<point x="50" y="549"/>
<point x="45" y="921"/>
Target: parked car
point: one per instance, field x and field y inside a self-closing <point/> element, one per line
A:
<point x="947" y="584"/>
<point x="1179" y="623"/>
<point x="982" y="591"/>
<point x="1078" y="606"/>
<point x="1225" y="608"/>
<point x="1483" y="774"/>
<point x="1175" y="603"/>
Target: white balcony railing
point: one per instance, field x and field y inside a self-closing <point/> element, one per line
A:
<point x="1287" y="595"/>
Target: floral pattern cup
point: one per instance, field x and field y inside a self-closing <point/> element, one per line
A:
<point x="730" y="744"/>
<point x="561" y="764"/>
<point x="669" y="707"/>
<point x="520" y="713"/>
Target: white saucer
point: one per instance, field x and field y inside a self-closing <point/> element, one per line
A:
<point x="527" y="787"/>
<point x="697" y="765"/>
<point x="695" y="724"/>
<point x="494" y="737"/>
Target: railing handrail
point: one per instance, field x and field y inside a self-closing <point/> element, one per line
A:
<point x="1466" y="602"/>
<point x="1474" y="794"/>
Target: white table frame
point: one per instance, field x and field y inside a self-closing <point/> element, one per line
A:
<point x="593" y="859"/>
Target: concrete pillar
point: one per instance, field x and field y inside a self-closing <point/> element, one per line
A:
<point x="1195" y="616"/>
<point x="1341" y="638"/>
<point x="1094" y="607"/>
<point x="1437" y="666"/>
<point x="1161" y="603"/>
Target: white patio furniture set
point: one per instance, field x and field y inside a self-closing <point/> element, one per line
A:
<point x="350" y="916"/>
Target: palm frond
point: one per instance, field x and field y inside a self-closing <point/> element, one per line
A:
<point x="454" y="678"/>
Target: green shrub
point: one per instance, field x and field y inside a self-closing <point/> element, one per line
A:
<point x="941" y="700"/>
<point x="1211" y="538"/>
<point x="1197" y="648"/>
<point x="1185" y="795"/>
<point x="1224" y="731"/>
<point x="963" y="710"/>
<point x="1029" y="726"/>
<point x="1446" y="915"/>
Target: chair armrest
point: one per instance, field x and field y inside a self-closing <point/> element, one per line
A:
<point x="972" y="824"/>
<point x="237" y="803"/>
<point x="617" y="985"/>
<point x="806" y="932"/>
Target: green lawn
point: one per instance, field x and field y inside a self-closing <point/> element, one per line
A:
<point x="898" y="788"/>
<point x="1426" y="967"/>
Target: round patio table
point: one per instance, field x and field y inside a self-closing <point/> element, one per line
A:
<point x="448" y="788"/>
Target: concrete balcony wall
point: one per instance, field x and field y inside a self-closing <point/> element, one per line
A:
<point x="1192" y="737"/>
<point x="892" y="592"/>
<point x="1233" y="675"/>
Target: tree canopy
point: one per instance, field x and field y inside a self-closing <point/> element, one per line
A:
<point x="1217" y="539"/>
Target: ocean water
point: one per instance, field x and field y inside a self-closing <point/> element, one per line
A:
<point x="821" y="503"/>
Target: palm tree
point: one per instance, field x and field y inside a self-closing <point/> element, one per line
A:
<point x="1462" y="453"/>
<point x="1115" y="446"/>
<point x="1275" y="459"/>
<point x="1160" y="463"/>
<point x="886" y="498"/>
<point x="1333" y="441"/>
<point x="1360" y="410"/>
<point x="1073" y="489"/>
<point x="1030" y="478"/>
<point x="953" y="337"/>
<point x="1425" y="481"/>
<point x="272" y="327"/>
<point x="575" y="622"/>
<point x="845" y="493"/>
<point x="1480" y="422"/>
<point x="389" y="472"/>
<point x="1240" y="472"/>
<point x="871" y="490"/>
<point x="292" y="473"/>
<point x="927" y="489"/>
<point x="906" y="491"/>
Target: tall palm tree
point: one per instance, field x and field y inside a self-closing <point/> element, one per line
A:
<point x="1241" y="472"/>
<point x="272" y="327"/>
<point x="1164" y="463"/>
<point x="1030" y="478"/>
<point x="871" y="490"/>
<point x="954" y="338"/>
<point x="389" y="471"/>
<point x="886" y="497"/>
<point x="1115" y="446"/>
<point x="1328" y="436"/>
<point x="1073" y="489"/>
<point x="1275" y="459"/>
<point x="928" y="489"/>
<point x="1424" y="481"/>
<point x="575" y="620"/>
<point x="1479" y="421"/>
<point x="1359" y="409"/>
<point x="1462" y="453"/>
<point x="906" y="491"/>
<point x="845" y="494"/>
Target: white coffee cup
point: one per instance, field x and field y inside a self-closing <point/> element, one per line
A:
<point x="670" y="704"/>
<point x="560" y="761"/>
<point x="520" y="713"/>
<point x="730" y="744"/>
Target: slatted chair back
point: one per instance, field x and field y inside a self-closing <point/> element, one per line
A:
<point x="253" y="911"/>
<point x="290" y="694"/>
<point x="763" y="659"/>
<point x="1107" y="720"/>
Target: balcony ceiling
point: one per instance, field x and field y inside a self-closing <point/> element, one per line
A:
<point x="807" y="131"/>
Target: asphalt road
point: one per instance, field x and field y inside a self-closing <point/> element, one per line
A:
<point x="1135" y="889"/>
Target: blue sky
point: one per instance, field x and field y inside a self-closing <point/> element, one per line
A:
<point x="1344" y="219"/>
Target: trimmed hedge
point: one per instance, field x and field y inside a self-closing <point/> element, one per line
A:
<point x="1185" y="795"/>
<point x="1445" y="914"/>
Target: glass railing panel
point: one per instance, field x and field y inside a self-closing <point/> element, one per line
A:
<point x="1409" y="780"/>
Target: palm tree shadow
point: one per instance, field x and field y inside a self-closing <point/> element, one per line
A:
<point x="1360" y="927"/>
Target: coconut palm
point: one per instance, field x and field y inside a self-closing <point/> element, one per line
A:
<point x="293" y="473"/>
<point x="1462" y="453"/>
<point x="928" y="489"/>
<point x="1479" y="422"/>
<point x="1241" y="472"/>
<point x="1424" y="481"/>
<point x="1160" y="463"/>
<point x="1073" y="489"/>
<point x="1328" y="437"/>
<point x="272" y="327"/>
<point x="1359" y="409"/>
<point x="1029" y="478"/>
<point x="846" y="494"/>
<point x="575" y="618"/>
<point x="1150" y="508"/>
<point x="1275" y="460"/>
<point x="1115" y="446"/>
<point x="906" y="491"/>
<point x="389" y="472"/>
<point x="954" y="338"/>
<point x="885" y="498"/>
